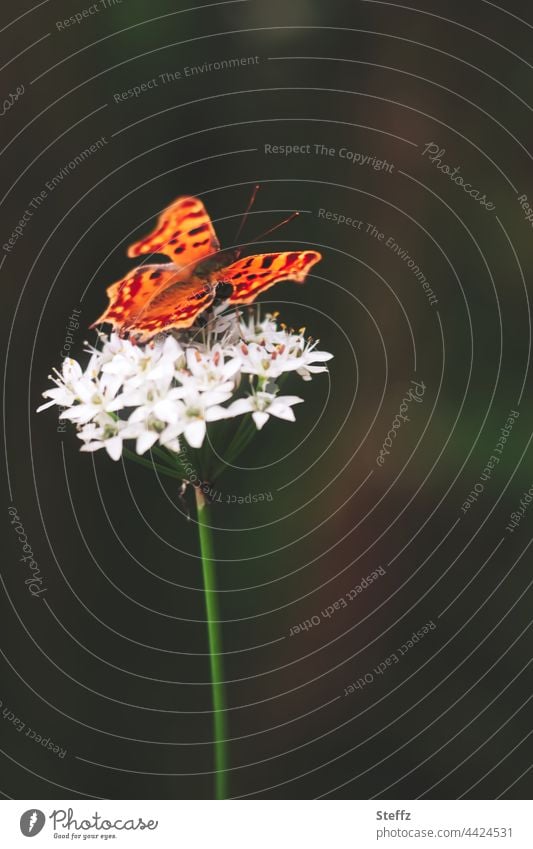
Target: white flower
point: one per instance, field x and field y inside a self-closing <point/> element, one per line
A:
<point x="308" y="357"/>
<point x="170" y="389"/>
<point x="265" y="364"/>
<point x="157" y="405"/>
<point x="262" y="405"/>
<point x="65" y="395"/>
<point x="147" y="432"/>
<point x="198" y="409"/>
<point x="226" y="325"/>
<point x="149" y="429"/>
<point x="158" y="398"/>
<point x="266" y="332"/>
<point x="134" y="365"/>
<point x="112" y="347"/>
<point x="93" y="398"/>
<point x="104" y="432"/>
<point x="210" y="370"/>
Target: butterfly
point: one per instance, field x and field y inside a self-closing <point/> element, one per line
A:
<point x="158" y="297"/>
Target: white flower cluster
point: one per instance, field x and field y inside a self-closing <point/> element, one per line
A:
<point x="172" y="387"/>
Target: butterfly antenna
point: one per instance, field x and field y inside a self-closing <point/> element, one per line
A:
<point x="248" y="208"/>
<point x="275" y="227"/>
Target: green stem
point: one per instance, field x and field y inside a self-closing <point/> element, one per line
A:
<point x="241" y="439"/>
<point x="215" y="646"/>
<point x="247" y="437"/>
<point x="151" y="464"/>
<point x="170" y="457"/>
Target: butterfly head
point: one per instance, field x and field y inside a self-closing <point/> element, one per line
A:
<point x="223" y="291"/>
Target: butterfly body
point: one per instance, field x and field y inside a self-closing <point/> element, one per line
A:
<point x="211" y="267"/>
<point x="157" y="297"/>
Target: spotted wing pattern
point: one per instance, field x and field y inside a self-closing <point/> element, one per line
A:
<point x="158" y="297"/>
<point x="184" y="233"/>
<point x="252" y="275"/>
<point x="152" y="298"/>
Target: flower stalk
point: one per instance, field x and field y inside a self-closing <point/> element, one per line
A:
<point x="215" y="645"/>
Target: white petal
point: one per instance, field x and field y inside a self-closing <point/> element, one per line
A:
<point x="71" y="369"/>
<point x="281" y="412"/>
<point x="170" y="433"/>
<point x="113" y="447"/>
<point x="110" y="384"/>
<point x="319" y="356"/>
<point x="215" y="396"/>
<point x="190" y="358"/>
<point x="171" y="348"/>
<point x="216" y="393"/>
<point x="167" y="411"/>
<point x="119" y="365"/>
<point x="173" y="445"/>
<point x="139" y="414"/>
<point x="45" y="406"/>
<point x="195" y="433"/>
<point x="260" y="419"/>
<point x="214" y="414"/>
<point x="317" y="369"/>
<point x="288" y="400"/>
<point x="88" y="432"/>
<point x="231" y="367"/>
<point x="145" y="441"/>
<point x="81" y="413"/>
<point x="86" y="389"/>
<point x="164" y="370"/>
<point x="240" y="406"/>
<point x="92" y="446"/>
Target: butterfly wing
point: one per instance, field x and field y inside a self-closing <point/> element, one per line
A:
<point x="252" y="275"/>
<point x="176" y="306"/>
<point x="153" y="298"/>
<point x="184" y="232"/>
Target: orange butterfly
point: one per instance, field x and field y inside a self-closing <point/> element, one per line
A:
<point x="153" y="298"/>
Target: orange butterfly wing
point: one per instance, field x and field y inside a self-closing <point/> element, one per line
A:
<point x="177" y="306"/>
<point x="252" y="275"/>
<point x="184" y="232"/>
<point x="153" y="298"/>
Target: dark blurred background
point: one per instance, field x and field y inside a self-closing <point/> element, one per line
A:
<point x="111" y="662"/>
